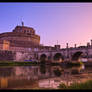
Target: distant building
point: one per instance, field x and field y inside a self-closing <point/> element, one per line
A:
<point x="22" y="38"/>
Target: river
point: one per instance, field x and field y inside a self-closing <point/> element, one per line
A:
<point x="41" y="77"/>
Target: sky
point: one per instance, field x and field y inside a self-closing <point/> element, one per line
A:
<point x="56" y="23"/>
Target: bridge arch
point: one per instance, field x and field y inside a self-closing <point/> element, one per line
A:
<point x="43" y="57"/>
<point x="76" y="55"/>
<point x="58" y="57"/>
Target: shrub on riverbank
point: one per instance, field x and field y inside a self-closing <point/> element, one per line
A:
<point x="86" y="85"/>
<point x="63" y="86"/>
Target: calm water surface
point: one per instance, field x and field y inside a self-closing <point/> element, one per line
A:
<point x="34" y="77"/>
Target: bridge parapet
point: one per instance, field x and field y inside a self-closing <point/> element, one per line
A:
<point x="67" y="52"/>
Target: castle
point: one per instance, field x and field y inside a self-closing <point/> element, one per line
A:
<point x="18" y="43"/>
<point x="22" y="38"/>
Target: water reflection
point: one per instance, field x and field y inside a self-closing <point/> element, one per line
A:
<point x="57" y="70"/>
<point x="4" y="82"/>
<point x="43" y="69"/>
<point x="78" y="69"/>
<point x="43" y="76"/>
<point x="5" y="72"/>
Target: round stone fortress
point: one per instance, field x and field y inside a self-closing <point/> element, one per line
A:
<point x="20" y="38"/>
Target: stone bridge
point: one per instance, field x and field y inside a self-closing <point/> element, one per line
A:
<point x="68" y="54"/>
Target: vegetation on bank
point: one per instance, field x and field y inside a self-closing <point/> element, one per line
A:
<point x="13" y="63"/>
<point x="86" y="85"/>
<point x="23" y="63"/>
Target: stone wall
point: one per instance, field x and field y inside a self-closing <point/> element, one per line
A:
<point x="6" y="55"/>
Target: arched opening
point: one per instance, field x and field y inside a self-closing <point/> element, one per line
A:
<point x="43" y="57"/>
<point x="76" y="56"/>
<point x="58" y="57"/>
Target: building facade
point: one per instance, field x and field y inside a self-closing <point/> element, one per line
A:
<point x="22" y="38"/>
